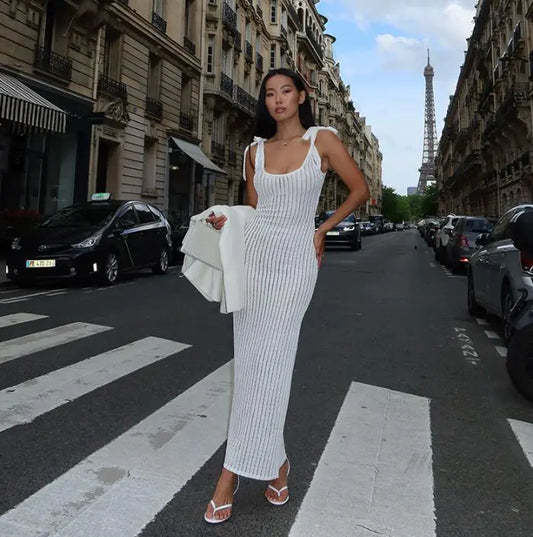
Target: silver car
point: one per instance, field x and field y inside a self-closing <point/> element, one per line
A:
<point x="498" y="271"/>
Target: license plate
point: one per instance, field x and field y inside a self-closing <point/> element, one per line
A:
<point x="333" y="233"/>
<point x="40" y="263"/>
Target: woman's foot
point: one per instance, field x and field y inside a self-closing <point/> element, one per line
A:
<point x="277" y="492"/>
<point x="220" y="506"/>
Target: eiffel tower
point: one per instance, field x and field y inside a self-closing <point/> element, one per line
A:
<point x="427" y="170"/>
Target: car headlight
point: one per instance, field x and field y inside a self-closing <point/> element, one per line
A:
<point x="349" y="228"/>
<point x="89" y="242"/>
<point x="15" y="245"/>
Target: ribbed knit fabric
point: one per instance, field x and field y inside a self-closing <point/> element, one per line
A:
<point x="281" y="271"/>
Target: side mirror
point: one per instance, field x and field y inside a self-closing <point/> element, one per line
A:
<point x="482" y="239"/>
<point x="522" y="231"/>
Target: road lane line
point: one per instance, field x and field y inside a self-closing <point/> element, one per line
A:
<point x="491" y="335"/>
<point x="31" y="295"/>
<point x="18" y="318"/>
<point x="39" y="341"/>
<point x="28" y="400"/>
<point x="375" y="474"/>
<point x="57" y="293"/>
<point x="120" y="488"/>
<point x="502" y="351"/>
<point x="482" y="322"/>
<point x="524" y="434"/>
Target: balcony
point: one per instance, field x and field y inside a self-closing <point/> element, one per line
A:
<point x="112" y="88"/>
<point x="291" y="11"/>
<point x="186" y="121"/>
<point x="248" y="52"/>
<point x="218" y="150"/>
<point x="123" y="2"/>
<point x="259" y="62"/>
<point x="229" y="17"/>
<point x="189" y="46"/>
<point x="226" y="84"/>
<point x="159" y="22"/>
<point x="53" y="63"/>
<point x="237" y="41"/>
<point x="283" y="32"/>
<point x="314" y="42"/>
<point x="154" y="108"/>
<point x="259" y="12"/>
<point x="245" y="100"/>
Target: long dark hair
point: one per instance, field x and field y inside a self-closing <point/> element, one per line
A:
<point x="265" y="125"/>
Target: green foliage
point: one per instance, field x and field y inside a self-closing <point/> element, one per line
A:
<point x="430" y="201"/>
<point x="398" y="208"/>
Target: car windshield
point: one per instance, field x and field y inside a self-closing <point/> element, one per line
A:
<point x="478" y="226"/>
<point x="86" y="215"/>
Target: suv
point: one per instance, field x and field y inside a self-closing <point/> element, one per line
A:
<point x="498" y="271"/>
<point x="442" y="236"/>
<point x="345" y="233"/>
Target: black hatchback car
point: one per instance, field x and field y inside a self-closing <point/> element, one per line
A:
<point x="345" y="233"/>
<point x="97" y="239"/>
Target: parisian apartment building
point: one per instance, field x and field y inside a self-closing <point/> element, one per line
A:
<point x="154" y="99"/>
<point x="484" y="157"/>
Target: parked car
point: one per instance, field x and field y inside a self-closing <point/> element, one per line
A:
<point x="498" y="270"/>
<point x="443" y="235"/>
<point x="388" y="226"/>
<point x="367" y="228"/>
<point x="345" y="233"/>
<point x="462" y="243"/>
<point x="100" y="239"/>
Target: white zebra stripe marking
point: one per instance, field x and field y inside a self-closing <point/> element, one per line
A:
<point x="502" y="351"/>
<point x="25" y="402"/>
<point x="39" y="341"/>
<point x="31" y="295"/>
<point x="119" y="489"/>
<point x="491" y="335"/>
<point x="375" y="474"/>
<point x="19" y="318"/>
<point x="524" y="434"/>
<point x="482" y="322"/>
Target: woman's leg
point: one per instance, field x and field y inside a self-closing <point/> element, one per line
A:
<point x="223" y="495"/>
<point x="279" y="483"/>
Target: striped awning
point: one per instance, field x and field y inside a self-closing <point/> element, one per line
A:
<point x="26" y="110"/>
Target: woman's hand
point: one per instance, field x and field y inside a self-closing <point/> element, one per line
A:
<point x="216" y="221"/>
<point x="319" y="242"/>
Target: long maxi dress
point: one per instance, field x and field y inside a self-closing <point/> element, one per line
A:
<point x="281" y="271"/>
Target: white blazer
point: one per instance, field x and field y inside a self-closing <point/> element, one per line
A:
<point x="225" y="284"/>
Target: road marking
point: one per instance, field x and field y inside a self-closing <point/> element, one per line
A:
<point x="57" y="293"/>
<point x="25" y="402"/>
<point x="467" y="346"/>
<point x="120" y="488"/>
<point x="524" y="434"/>
<point x="502" y="351"/>
<point x="31" y="295"/>
<point x="375" y="474"/>
<point x="39" y="341"/>
<point x="491" y="335"/>
<point x="482" y="322"/>
<point x="18" y="318"/>
<point x="432" y="265"/>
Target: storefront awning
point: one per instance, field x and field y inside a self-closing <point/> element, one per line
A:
<point x="26" y="109"/>
<point x="196" y="153"/>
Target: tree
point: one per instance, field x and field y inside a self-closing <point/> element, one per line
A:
<point x="388" y="203"/>
<point x="430" y="201"/>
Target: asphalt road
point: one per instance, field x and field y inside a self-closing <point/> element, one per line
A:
<point x="400" y="422"/>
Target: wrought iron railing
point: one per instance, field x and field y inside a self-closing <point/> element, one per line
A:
<point x="229" y="17"/>
<point x="283" y="31"/>
<point x="189" y="45"/>
<point x="53" y="63"/>
<point x="259" y="12"/>
<point x="314" y="42"/>
<point x="112" y="88"/>
<point x="237" y="41"/>
<point x="154" y="108"/>
<point x="186" y="121"/>
<point x="244" y="99"/>
<point x="159" y="22"/>
<point x="259" y="62"/>
<point x="218" y="149"/>
<point x="248" y="51"/>
<point x="291" y="10"/>
<point x="226" y="84"/>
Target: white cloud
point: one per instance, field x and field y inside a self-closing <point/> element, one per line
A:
<point x="399" y="52"/>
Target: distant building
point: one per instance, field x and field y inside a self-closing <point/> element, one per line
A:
<point x="412" y="190"/>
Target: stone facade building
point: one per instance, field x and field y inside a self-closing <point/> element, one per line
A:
<point x="154" y="99"/>
<point x="484" y="158"/>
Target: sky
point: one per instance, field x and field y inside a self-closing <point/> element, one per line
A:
<point x="382" y="50"/>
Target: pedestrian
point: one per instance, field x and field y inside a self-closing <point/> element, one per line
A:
<point x="284" y="169"/>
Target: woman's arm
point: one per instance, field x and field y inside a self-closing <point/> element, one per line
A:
<point x="251" y="193"/>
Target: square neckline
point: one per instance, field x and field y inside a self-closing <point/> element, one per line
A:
<point x="302" y="165"/>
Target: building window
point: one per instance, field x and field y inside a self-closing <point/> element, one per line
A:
<point x="112" y="54"/>
<point x="154" y="76"/>
<point x="149" y="167"/>
<point x="211" y="54"/>
<point x="186" y="95"/>
<point x="159" y="8"/>
<point x="272" y="56"/>
<point x="273" y="11"/>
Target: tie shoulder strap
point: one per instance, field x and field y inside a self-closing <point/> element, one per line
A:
<point x="311" y="132"/>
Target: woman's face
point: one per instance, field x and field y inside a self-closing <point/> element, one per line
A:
<point x="282" y="98"/>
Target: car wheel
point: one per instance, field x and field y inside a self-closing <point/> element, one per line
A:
<point x="456" y="267"/>
<point x="507" y="304"/>
<point x="111" y="270"/>
<point x="473" y="307"/>
<point x="162" y="265"/>
<point x="520" y="361"/>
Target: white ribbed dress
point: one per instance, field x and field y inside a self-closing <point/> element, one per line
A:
<point x="281" y="271"/>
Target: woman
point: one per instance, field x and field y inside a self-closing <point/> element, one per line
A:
<point x="284" y="170"/>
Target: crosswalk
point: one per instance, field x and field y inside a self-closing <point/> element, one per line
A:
<point x="374" y="477"/>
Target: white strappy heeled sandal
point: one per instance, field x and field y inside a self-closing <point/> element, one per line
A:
<point x="282" y="489"/>
<point x="214" y="520"/>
